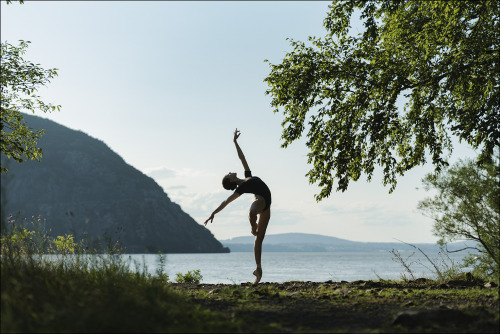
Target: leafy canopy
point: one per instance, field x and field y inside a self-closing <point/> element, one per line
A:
<point x="438" y="57"/>
<point x="20" y="79"/>
<point x="467" y="206"/>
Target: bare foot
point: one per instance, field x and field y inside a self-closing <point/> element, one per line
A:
<point x="258" y="275"/>
<point x="254" y="229"/>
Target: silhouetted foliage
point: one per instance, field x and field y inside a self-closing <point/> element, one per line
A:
<point x="20" y="79"/>
<point x="440" y="57"/>
<point x="467" y="207"/>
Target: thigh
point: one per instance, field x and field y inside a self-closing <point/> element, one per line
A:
<point x="258" y="205"/>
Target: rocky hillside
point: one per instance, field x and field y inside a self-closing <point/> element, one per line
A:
<point x="84" y="188"/>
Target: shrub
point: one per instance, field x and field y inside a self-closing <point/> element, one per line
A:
<point x="189" y="277"/>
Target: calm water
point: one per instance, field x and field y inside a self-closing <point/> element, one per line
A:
<point x="237" y="267"/>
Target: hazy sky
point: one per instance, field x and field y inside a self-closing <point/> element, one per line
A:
<point x="164" y="84"/>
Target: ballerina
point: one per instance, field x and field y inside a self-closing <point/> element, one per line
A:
<point x="260" y="207"/>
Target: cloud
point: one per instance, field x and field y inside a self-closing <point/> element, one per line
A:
<point x="175" y="188"/>
<point x="196" y="204"/>
<point x="388" y="219"/>
<point x="361" y="207"/>
<point x="369" y="213"/>
<point x="161" y="173"/>
<point x="200" y="205"/>
<point x="286" y="217"/>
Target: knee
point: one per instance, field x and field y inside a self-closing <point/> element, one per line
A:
<point x="258" y="241"/>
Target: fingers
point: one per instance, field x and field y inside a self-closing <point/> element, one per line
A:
<point x="211" y="220"/>
<point x="236" y="135"/>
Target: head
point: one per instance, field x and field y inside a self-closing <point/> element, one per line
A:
<point x="229" y="182"/>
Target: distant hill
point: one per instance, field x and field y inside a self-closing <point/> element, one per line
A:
<point x="84" y="188"/>
<point x="304" y="242"/>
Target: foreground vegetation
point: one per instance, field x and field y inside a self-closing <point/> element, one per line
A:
<point x="457" y="306"/>
<point x="42" y="298"/>
<point x="56" y="285"/>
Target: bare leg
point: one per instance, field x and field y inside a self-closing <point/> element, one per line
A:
<point x="257" y="249"/>
<point x="257" y="206"/>
<point x="252" y="217"/>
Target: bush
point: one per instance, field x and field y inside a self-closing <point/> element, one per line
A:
<point x="466" y="207"/>
<point x="189" y="277"/>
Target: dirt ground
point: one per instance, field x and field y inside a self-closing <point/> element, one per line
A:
<point x="353" y="307"/>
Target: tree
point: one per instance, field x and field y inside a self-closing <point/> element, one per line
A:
<point x="20" y="79"/>
<point x="467" y="207"/>
<point x="439" y="58"/>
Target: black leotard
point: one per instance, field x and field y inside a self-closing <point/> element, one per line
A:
<point x="256" y="186"/>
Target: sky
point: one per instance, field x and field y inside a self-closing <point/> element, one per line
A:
<point x="164" y="84"/>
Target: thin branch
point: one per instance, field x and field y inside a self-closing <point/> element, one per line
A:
<point x="421" y="251"/>
<point x="459" y="250"/>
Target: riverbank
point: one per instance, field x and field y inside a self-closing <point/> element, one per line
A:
<point x="43" y="298"/>
<point x="58" y="289"/>
<point x="456" y="306"/>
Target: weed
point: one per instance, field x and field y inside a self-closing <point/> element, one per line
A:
<point x="193" y="277"/>
<point x="160" y="271"/>
<point x="405" y="263"/>
<point x="443" y="267"/>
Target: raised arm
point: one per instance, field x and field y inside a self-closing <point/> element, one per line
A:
<point x="238" y="149"/>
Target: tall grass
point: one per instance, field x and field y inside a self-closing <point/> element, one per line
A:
<point x="443" y="267"/>
<point x="51" y="285"/>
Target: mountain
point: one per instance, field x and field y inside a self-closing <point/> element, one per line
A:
<point x="82" y="187"/>
<point x="304" y="242"/>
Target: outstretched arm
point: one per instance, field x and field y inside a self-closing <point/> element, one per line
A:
<point x="222" y="206"/>
<point x="238" y="149"/>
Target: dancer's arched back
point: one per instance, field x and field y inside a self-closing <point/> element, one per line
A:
<point x="261" y="207"/>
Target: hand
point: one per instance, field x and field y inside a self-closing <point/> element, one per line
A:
<point x="236" y="135"/>
<point x="211" y="218"/>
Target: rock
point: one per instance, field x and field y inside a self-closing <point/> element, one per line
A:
<point x="490" y="285"/>
<point x="372" y="284"/>
<point x="422" y="280"/>
<point x="464" y="277"/>
<point x="344" y="292"/>
<point x="429" y="318"/>
<point x="455" y="282"/>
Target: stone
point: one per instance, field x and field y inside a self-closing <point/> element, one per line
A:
<point x="428" y="318"/>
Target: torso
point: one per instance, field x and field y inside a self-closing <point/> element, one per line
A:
<point x="254" y="185"/>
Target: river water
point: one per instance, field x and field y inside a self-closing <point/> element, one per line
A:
<point x="237" y="267"/>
